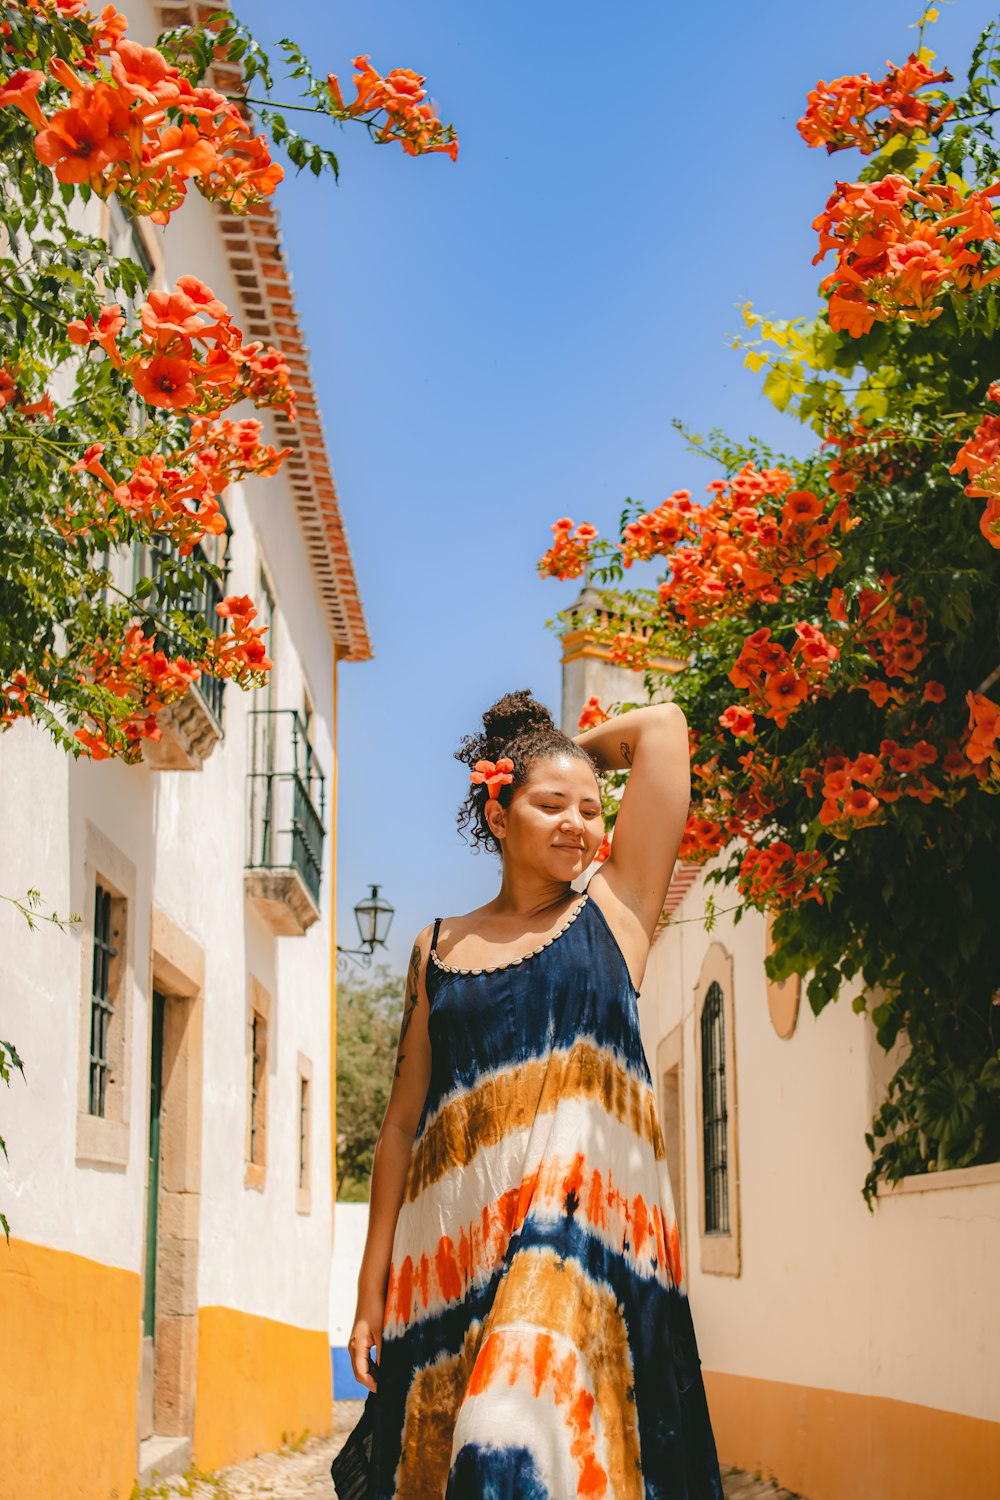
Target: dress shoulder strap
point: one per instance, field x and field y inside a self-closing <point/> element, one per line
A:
<point x="437" y="929"/>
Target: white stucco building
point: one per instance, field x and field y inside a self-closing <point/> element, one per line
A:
<point x="169" y="1187"/>
<point x="849" y="1355"/>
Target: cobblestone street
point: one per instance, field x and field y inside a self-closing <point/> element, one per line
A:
<point x="303" y="1473"/>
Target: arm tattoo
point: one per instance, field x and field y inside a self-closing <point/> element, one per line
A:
<point x="626" y="750"/>
<point x="412" y="996"/>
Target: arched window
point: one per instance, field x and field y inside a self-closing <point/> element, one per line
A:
<point x="717" y="1111"/>
<point x="713" y="1111"/>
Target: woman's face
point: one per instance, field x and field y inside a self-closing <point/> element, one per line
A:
<point x="554" y="823"/>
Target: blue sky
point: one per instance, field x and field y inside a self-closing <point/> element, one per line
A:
<point x="506" y="340"/>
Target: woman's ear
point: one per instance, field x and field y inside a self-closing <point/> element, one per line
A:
<point x="496" y="818"/>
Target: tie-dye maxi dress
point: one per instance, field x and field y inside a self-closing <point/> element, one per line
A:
<point x="538" y="1344"/>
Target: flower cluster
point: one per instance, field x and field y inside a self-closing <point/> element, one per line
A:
<point x="702" y="839"/>
<point x="863" y="455"/>
<point x="567" y="557"/>
<point x="239" y="652"/>
<point x="838" y="113"/>
<point x="754" y="537"/>
<point x="591" y="715"/>
<point x="629" y="648"/>
<point x="177" y="495"/>
<point x="191" y="356"/>
<point x="900" y="245"/>
<point x="130" y="124"/>
<point x="13" y="396"/>
<point x="894" y="641"/>
<point x="395" y="108"/>
<point x="980" y="458"/>
<point x="982" y="747"/>
<point x="660" y="530"/>
<point x="778" y="680"/>
<point x="775" y="875"/>
<point x="147" y="680"/>
<point x="856" y="790"/>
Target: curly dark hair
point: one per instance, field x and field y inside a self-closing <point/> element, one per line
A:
<point x="523" y="730"/>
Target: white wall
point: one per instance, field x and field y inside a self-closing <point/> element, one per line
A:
<point x="186" y="834"/>
<point x="897" y="1303"/>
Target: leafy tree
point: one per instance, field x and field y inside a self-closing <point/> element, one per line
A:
<point x="114" y="444"/>
<point x="369" y="1007"/>
<point x="838" y="614"/>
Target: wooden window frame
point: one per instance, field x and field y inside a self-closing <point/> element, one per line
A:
<point x="258" y="1025"/>
<point x="719" y="1250"/>
<point x="102" y="1139"/>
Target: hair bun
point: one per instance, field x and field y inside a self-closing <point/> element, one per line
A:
<point x="512" y="716"/>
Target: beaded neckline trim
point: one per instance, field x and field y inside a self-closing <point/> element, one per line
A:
<point x="512" y="963"/>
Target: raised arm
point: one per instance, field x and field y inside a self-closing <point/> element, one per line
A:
<point x="652" y="745"/>
<point x="391" y="1159"/>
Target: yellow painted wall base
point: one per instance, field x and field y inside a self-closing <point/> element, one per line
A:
<point x="69" y="1375"/>
<point x="259" y="1382"/>
<point x="833" y="1445"/>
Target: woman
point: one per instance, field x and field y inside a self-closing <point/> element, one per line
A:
<point x="521" y="1280"/>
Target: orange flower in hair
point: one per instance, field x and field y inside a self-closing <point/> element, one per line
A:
<point x="493" y="775"/>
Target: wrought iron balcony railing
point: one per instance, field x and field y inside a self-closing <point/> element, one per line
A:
<point x="199" y="603"/>
<point x="287" y="798"/>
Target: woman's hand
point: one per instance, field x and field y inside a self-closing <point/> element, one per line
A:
<point x="367" y="1331"/>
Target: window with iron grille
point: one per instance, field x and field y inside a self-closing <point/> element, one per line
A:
<point x="303" y="1132"/>
<point x="714" y="1112"/>
<point x="258" y="1066"/>
<point x="102" y="1000"/>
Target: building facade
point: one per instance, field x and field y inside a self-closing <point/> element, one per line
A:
<point x="849" y="1355"/>
<point x="170" y="1177"/>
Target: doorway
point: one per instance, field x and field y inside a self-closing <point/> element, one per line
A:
<point x="173" y="1198"/>
<point x="147" y="1388"/>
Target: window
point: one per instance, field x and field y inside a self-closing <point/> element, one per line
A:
<point x="717" y="1115"/>
<point x="107" y="897"/>
<point x="258" y="1057"/>
<point x="102" y="1006"/>
<point x="303" y="1184"/>
<point x="713" y="1110"/>
<point x="257" y="1064"/>
<point x="127" y="239"/>
<point x="303" y="1131"/>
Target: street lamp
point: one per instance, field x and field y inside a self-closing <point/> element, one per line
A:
<point x="373" y="915"/>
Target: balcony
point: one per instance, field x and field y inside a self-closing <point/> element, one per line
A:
<point x="287" y="805"/>
<point x="192" y="727"/>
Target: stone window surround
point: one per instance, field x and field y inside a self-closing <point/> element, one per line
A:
<point x="303" y="1190"/>
<point x="103" y="1140"/>
<point x="670" y="1056"/>
<point x="259" y="1003"/>
<point x="720" y="1254"/>
<point x="984" y="1173"/>
<point x="177" y="966"/>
